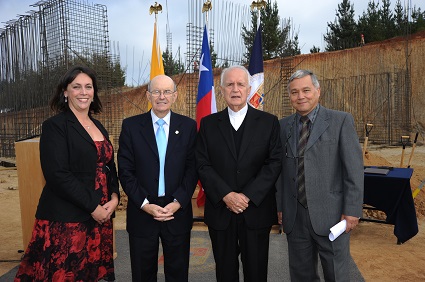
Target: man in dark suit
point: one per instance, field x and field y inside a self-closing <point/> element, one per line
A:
<point x="238" y="154"/>
<point x="321" y="182"/>
<point x="151" y="212"/>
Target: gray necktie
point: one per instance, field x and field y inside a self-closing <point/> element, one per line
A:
<point x="302" y="143"/>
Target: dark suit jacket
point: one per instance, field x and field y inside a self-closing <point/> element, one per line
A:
<point x="333" y="166"/>
<point x="68" y="158"/>
<point x="253" y="172"/>
<point x="138" y="169"/>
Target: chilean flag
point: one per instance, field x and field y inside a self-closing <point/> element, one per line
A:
<point x="205" y="101"/>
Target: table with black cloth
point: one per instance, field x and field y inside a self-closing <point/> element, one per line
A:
<point x="392" y="194"/>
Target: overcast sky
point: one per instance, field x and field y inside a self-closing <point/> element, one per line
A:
<point x="131" y="26"/>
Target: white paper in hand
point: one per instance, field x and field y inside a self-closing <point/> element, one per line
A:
<point x="337" y="230"/>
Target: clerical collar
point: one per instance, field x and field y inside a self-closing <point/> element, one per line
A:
<point x="236" y="118"/>
<point x="241" y="112"/>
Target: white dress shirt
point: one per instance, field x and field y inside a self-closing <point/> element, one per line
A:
<point x="166" y="127"/>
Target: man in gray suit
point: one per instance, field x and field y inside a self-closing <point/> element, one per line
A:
<point x="321" y="182"/>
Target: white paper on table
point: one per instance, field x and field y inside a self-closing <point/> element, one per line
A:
<point x="337" y="229"/>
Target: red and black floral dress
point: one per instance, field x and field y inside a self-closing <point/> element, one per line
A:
<point x="61" y="251"/>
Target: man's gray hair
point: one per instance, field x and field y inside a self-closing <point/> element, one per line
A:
<point x="224" y="71"/>
<point x="301" y="74"/>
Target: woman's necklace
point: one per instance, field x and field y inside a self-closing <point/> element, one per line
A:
<point x="88" y="125"/>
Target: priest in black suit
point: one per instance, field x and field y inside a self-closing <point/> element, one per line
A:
<point x="238" y="158"/>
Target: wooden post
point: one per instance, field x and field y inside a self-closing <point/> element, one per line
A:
<point x="30" y="182"/>
<point x="413" y="149"/>
<point x="368" y="128"/>
<point x="404" y="141"/>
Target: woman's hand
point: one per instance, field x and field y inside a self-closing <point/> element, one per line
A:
<point x="111" y="205"/>
<point x="100" y="214"/>
<point x="103" y="213"/>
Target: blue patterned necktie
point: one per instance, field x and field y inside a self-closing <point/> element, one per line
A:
<point x="302" y="144"/>
<point x="161" y="142"/>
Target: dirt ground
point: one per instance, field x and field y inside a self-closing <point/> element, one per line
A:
<point x="373" y="245"/>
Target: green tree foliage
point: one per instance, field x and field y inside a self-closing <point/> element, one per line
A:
<point x="213" y="56"/>
<point x="272" y="34"/>
<point x="418" y="18"/>
<point x="249" y="36"/>
<point x="290" y="41"/>
<point x="387" y="19"/>
<point x="275" y="38"/>
<point x="41" y="82"/>
<point x="370" y="23"/>
<point x="314" y="49"/>
<point x="119" y="73"/>
<point x="225" y="64"/>
<point x="342" y="33"/>
<point x="171" y="66"/>
<point x="109" y="73"/>
<point x="400" y="19"/>
<point x="376" y="24"/>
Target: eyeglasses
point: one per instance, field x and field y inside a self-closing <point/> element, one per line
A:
<point x="286" y="150"/>
<point x="287" y="139"/>
<point x="166" y="93"/>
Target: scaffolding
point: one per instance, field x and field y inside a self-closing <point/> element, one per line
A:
<point x="36" y="49"/>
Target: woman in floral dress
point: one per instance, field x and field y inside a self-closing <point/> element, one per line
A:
<point x="72" y="239"/>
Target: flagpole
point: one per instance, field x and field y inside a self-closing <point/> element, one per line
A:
<point x="157" y="65"/>
<point x="206" y="7"/>
<point x="258" y="4"/>
<point x="258" y="18"/>
<point x="205" y="100"/>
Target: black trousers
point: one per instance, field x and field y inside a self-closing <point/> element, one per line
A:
<point x="144" y="254"/>
<point x="251" y="244"/>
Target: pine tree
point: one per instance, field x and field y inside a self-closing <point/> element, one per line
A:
<point x="378" y="23"/>
<point x="290" y="41"/>
<point x="213" y="56"/>
<point x="370" y="24"/>
<point x="171" y="66"/>
<point x="342" y="33"/>
<point x="314" y="49"/>
<point x="418" y="18"/>
<point x="249" y="35"/>
<point x="400" y="19"/>
<point x="276" y="39"/>
<point x="272" y="34"/>
<point x="387" y="19"/>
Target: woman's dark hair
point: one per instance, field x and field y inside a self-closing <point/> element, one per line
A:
<point x="57" y="103"/>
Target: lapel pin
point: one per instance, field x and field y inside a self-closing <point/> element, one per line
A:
<point x="177" y="132"/>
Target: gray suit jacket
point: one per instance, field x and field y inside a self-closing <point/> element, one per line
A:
<point x="333" y="171"/>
